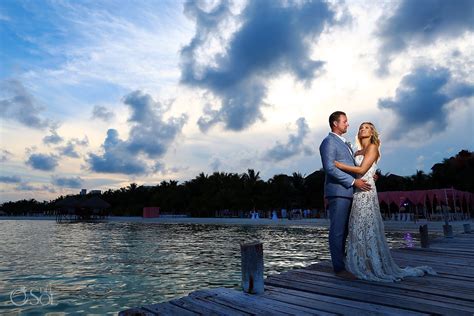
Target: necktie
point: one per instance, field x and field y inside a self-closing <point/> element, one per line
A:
<point x="349" y="145"/>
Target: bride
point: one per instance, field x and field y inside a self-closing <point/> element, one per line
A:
<point x="368" y="255"/>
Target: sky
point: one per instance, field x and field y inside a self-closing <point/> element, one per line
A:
<point x="101" y="94"/>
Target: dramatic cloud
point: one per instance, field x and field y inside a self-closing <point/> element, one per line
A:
<point x="28" y="187"/>
<point x="80" y="142"/>
<point x="25" y="187"/>
<point x="116" y="157"/>
<point x="5" y="155"/>
<point x="101" y="112"/>
<point x="42" y="162"/>
<point x="294" y="146"/>
<point x="421" y="22"/>
<point x="74" y="182"/>
<point x="54" y="138"/>
<point x="70" y="149"/>
<point x="274" y="37"/>
<point x="161" y="168"/>
<point x="18" y="104"/>
<point x="10" y="179"/>
<point x="421" y="99"/>
<point x="149" y="134"/>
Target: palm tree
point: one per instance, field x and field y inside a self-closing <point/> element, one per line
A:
<point x="253" y="189"/>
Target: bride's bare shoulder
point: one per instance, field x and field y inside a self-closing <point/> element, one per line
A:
<point x="359" y="152"/>
<point x="372" y="148"/>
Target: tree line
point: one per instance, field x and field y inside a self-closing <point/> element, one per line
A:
<point x="241" y="193"/>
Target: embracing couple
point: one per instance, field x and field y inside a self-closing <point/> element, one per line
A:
<point x="354" y="208"/>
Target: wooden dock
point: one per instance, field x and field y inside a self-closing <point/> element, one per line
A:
<point x="315" y="290"/>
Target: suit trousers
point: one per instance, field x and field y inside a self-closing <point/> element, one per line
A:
<point x="339" y="210"/>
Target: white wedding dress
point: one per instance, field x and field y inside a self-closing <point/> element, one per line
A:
<point x="368" y="255"/>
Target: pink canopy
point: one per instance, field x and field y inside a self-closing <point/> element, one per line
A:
<point x="418" y="197"/>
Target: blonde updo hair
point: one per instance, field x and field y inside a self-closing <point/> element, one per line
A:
<point x="374" y="138"/>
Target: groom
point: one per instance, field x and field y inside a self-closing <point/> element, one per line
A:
<point x="338" y="188"/>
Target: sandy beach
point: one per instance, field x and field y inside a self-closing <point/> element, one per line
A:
<point x="434" y="226"/>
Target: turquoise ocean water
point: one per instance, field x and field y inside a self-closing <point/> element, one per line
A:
<point x="101" y="268"/>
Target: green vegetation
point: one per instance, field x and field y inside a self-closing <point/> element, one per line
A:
<point x="206" y="194"/>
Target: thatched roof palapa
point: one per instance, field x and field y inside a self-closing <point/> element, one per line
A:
<point x="94" y="202"/>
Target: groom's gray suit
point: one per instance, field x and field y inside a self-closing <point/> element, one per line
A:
<point x="338" y="189"/>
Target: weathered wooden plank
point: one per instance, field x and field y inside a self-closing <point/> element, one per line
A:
<point x="460" y="236"/>
<point x="372" y="296"/>
<point x="463" y="235"/>
<point x="205" y="295"/>
<point x="442" y="270"/>
<point x="460" y="246"/>
<point x="204" y="307"/>
<point x="418" y="287"/>
<point x="432" y="260"/>
<point x="411" y="261"/>
<point x="440" y="259"/>
<point x="461" y="243"/>
<point x="410" y="286"/>
<point x="456" y="241"/>
<point x="259" y="304"/>
<point x="275" y="304"/>
<point x="427" y="280"/>
<point x="136" y="311"/>
<point x="438" y="267"/>
<point x="430" y="251"/>
<point x="333" y="304"/>
<point x="167" y="308"/>
<point x="443" y="247"/>
<point x="434" y="254"/>
<point x="445" y="272"/>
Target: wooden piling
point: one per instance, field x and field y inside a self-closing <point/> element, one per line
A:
<point x="448" y="231"/>
<point x="424" y="240"/>
<point x="252" y="267"/>
<point x="467" y="228"/>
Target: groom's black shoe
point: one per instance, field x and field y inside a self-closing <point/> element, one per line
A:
<point x="346" y="275"/>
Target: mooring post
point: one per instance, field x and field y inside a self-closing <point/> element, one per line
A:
<point x="467" y="228"/>
<point x="448" y="231"/>
<point x="252" y="267"/>
<point x="424" y="240"/>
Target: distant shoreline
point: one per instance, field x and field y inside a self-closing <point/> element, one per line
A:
<point x="433" y="226"/>
<point x="192" y="220"/>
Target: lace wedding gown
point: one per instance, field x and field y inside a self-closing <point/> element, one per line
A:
<point x="368" y="255"/>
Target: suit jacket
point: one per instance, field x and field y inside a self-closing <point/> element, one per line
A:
<point x="337" y="182"/>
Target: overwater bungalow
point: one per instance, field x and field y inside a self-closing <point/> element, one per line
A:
<point x="83" y="208"/>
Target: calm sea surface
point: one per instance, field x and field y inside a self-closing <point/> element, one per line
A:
<point x="99" y="268"/>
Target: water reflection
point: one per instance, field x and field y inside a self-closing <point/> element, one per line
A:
<point x="409" y="242"/>
<point x="106" y="267"/>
